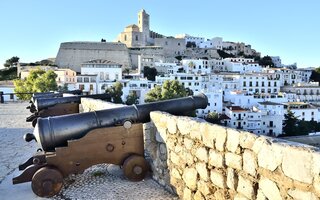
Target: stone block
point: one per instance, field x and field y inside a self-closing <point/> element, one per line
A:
<point x="187" y="194"/>
<point x="245" y="187"/>
<point x="297" y="165"/>
<point x="162" y="148"/>
<point x="249" y="162"/>
<point x="172" y="125"/>
<point x="233" y="161"/>
<point x="299" y="194"/>
<point x="260" y="195"/>
<point x="175" y="159"/>
<point x="232" y="179"/>
<point x="269" y="189"/>
<point x="240" y="197"/>
<point x="189" y="158"/>
<point x="175" y="173"/>
<point x="232" y="140"/>
<point x="188" y="143"/>
<point x="190" y="176"/>
<point x="198" y="196"/>
<point x="316" y="184"/>
<point x="208" y="136"/>
<point x="258" y="143"/>
<point x="204" y="187"/>
<point x="270" y="156"/>
<point x="195" y="130"/>
<point x="202" y="171"/>
<point x="178" y="149"/>
<point x="216" y="159"/>
<point x="247" y="139"/>
<point x="159" y="119"/>
<point x="161" y="136"/>
<point x="184" y="125"/>
<point x="221" y="137"/>
<point x="202" y="154"/>
<point x="218" y="179"/>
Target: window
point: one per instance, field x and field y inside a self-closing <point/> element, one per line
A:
<point x="136" y="38"/>
<point x="91" y="87"/>
<point x="179" y="44"/>
<point x="86" y="79"/>
<point x="257" y="83"/>
<point x="81" y="87"/>
<point x="250" y="83"/>
<point x="125" y="37"/>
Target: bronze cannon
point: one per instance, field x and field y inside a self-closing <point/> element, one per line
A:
<point x="72" y="143"/>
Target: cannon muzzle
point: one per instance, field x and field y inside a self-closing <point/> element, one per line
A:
<point x="43" y="103"/>
<point x="55" y="131"/>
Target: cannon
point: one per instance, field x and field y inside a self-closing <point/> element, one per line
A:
<point x="45" y="107"/>
<point x="39" y="95"/>
<point x="72" y="143"/>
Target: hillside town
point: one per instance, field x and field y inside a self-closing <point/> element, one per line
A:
<point x="246" y="93"/>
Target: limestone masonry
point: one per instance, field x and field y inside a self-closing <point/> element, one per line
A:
<point x="74" y="54"/>
<point x="199" y="160"/>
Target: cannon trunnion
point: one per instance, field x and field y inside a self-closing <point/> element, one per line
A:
<point x="72" y="143"/>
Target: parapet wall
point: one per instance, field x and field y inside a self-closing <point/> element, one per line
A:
<point x="198" y="160"/>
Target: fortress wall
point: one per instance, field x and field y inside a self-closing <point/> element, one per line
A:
<point x="199" y="160"/>
<point x="73" y="54"/>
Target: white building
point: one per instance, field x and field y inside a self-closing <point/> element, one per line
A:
<point x="199" y="66"/>
<point x="303" y="111"/>
<point x="272" y="116"/>
<point x="264" y="119"/>
<point x="192" y="39"/>
<point x="259" y="83"/>
<point x="245" y="100"/>
<point x="96" y="73"/>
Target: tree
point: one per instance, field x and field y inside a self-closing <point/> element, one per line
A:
<point x="11" y="62"/>
<point x="191" y="45"/>
<point x="150" y="73"/>
<point x="171" y="89"/>
<point x="224" y="54"/>
<point x="37" y="81"/>
<point x="115" y="92"/>
<point x="132" y="98"/>
<point x="290" y="124"/>
<point x="126" y="70"/>
<point x="266" y="61"/>
<point x="315" y="76"/>
<point x="213" y="118"/>
<point x="63" y="88"/>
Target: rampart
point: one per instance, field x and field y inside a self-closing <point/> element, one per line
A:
<point x="199" y="160"/>
<point x="73" y="54"/>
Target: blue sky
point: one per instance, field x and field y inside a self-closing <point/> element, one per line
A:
<point x="34" y="29"/>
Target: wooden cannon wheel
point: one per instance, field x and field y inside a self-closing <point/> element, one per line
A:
<point x="135" y="167"/>
<point x="47" y="182"/>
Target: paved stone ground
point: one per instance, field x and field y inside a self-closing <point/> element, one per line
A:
<point x="98" y="182"/>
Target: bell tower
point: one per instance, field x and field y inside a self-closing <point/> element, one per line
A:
<point x="143" y="24"/>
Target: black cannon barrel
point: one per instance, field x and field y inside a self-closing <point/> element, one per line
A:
<point x="55" y="131"/>
<point x="43" y="103"/>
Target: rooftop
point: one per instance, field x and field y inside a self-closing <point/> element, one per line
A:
<point x="101" y="61"/>
<point x="270" y="103"/>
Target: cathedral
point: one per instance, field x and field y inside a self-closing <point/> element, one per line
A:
<point x="139" y="35"/>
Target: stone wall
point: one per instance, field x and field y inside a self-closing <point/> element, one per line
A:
<point x="198" y="160"/>
<point x="73" y="54"/>
<point x="88" y="104"/>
